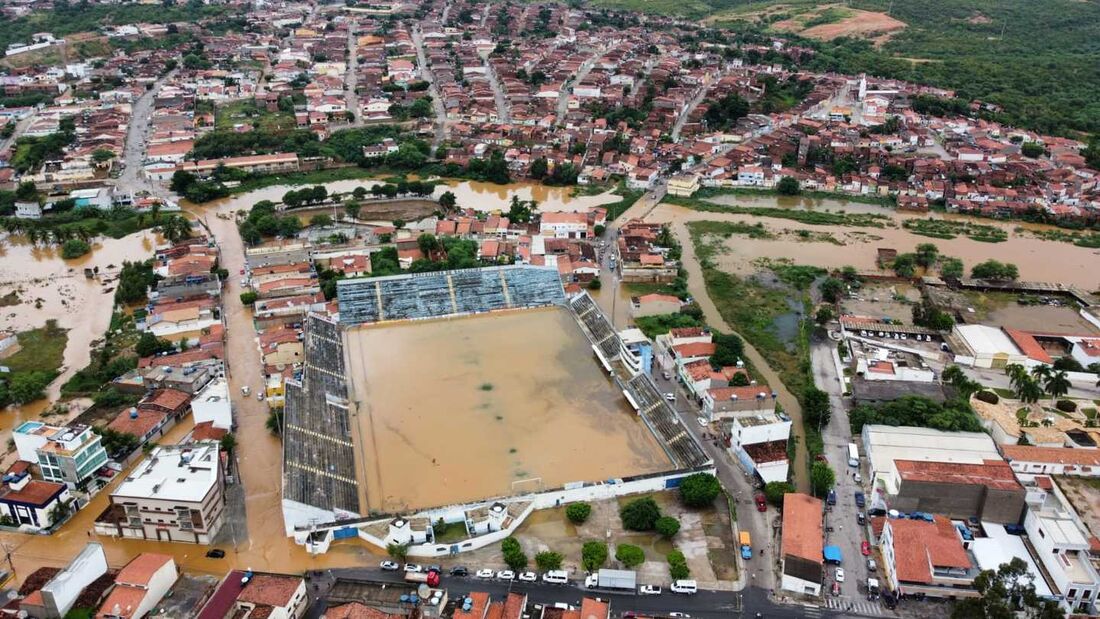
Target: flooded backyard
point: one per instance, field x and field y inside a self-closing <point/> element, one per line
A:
<point x="516" y="403"/>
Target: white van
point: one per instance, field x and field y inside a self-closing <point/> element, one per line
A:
<point x="557" y="577"/>
<point x="684" y="586"/>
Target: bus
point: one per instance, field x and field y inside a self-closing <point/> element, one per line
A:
<point x="853" y="455"/>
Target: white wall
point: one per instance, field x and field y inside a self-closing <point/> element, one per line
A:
<point x="61" y="592"/>
<point x="159" y="585"/>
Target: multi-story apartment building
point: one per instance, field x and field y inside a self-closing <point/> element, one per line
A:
<point x="175" y="495"/>
<point x="65" y="454"/>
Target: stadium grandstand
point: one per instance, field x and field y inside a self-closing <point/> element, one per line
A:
<point x="319" y="474"/>
<point x="447" y="293"/>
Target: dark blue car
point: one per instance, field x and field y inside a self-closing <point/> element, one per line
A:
<point x="860" y="502"/>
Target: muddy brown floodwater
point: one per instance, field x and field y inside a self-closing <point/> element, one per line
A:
<point x="1037" y="259"/>
<point x="462" y="409"/>
<point x="50" y="288"/>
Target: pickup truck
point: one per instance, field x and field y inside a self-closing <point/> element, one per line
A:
<point x="430" y="577"/>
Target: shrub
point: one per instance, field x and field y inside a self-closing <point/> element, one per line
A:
<point x="630" y="556"/>
<point x="774" y="491"/>
<point x="988" y="397"/>
<point x="640" y="514"/>
<point x="1066" y="406"/>
<point x="74" y="248"/>
<point x="700" y="489"/>
<point x="548" y="560"/>
<point x="667" y="526"/>
<point x="593" y="555"/>
<point x="249" y="298"/>
<point x="577" y="513"/>
<point x="677" y="565"/>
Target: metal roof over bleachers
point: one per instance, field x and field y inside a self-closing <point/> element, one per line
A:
<point x="446" y="293"/>
<point x="318" y="453"/>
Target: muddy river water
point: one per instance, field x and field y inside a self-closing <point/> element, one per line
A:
<point x="261" y="542"/>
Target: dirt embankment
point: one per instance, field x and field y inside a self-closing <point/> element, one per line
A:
<point x="848" y="22"/>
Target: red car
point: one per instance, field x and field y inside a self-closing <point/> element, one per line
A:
<point x="865" y="548"/>
<point x="761" y="503"/>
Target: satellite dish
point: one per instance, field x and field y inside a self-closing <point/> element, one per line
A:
<point x="424" y="590"/>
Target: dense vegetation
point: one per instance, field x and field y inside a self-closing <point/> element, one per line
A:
<point x="911" y="410"/>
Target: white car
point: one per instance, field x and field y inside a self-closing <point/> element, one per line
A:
<point x="679" y="615"/>
<point x="702" y="421"/>
<point x="390" y="566"/>
<point x="840" y="574"/>
<point x="671" y="397"/>
<point x="413" y="568"/>
<point x="858" y="478"/>
<point x="649" y="590"/>
<point x="485" y="573"/>
<point x="528" y="576"/>
<point x="506" y="575"/>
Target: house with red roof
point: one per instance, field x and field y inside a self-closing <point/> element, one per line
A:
<point x="803" y="546"/>
<point x="139" y="587"/>
<point x="926" y="557"/>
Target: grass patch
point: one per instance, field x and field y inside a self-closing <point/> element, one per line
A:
<point x="449" y="532"/>
<point x="1005" y="393"/>
<point x="40" y="350"/>
<point x="629" y="197"/>
<point x="726" y="229"/>
<point x="830" y="15"/>
<point x="246" y="112"/>
<point x="944" y="229"/>
<point x="653" y="326"/>
<point x="813" y="218"/>
<point x="315" y="177"/>
<point x="1080" y="239"/>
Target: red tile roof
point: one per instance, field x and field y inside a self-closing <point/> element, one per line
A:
<point x="36" y="492"/>
<point x="270" y="589"/>
<point x="803" y="535"/>
<point x="695" y="349"/>
<point x="1028" y="345"/>
<point x="355" y="610"/>
<point x="146" y="420"/>
<point x="920" y="546"/>
<point x="141" y="568"/>
<point x="995" y="474"/>
<point x="1052" y="455"/>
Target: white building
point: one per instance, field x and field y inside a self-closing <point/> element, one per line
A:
<point x="212" y="404"/>
<point x="563" y="225"/>
<point x="139" y="587"/>
<point x="1061" y="543"/>
<point x="758" y="433"/>
<point x="986" y="347"/>
<point x="887" y="444"/>
<point x="65" y="454"/>
<point x="635" y="351"/>
<point x="752" y="175"/>
<point x="175" y="495"/>
<point x="57" y="596"/>
<point x="32" y="505"/>
<point x="1027" y="461"/>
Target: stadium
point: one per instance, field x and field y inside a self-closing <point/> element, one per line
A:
<point x="472" y="396"/>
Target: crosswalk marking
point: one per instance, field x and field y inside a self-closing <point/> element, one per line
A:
<point x="858" y="607"/>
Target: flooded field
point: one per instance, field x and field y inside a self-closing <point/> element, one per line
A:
<point x="468" y="408"/>
<point x="1038" y="260"/>
<point x="1003" y="310"/>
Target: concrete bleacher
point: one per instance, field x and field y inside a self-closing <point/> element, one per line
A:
<point x="598" y="328"/>
<point x="446" y="293"/>
<point x="318" y="454"/>
<point x="659" y="415"/>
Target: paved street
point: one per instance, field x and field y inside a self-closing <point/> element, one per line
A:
<point x="133" y="157"/>
<point x="351" y="78"/>
<point x="426" y="74"/>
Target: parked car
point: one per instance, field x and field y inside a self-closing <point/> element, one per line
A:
<point x="865" y="548"/>
<point x="390" y="566"/>
<point x="761" y="502"/>
<point x="413" y="568"/>
<point x="836" y="588"/>
<point x="667" y="375"/>
<point x="860" y="501"/>
<point x="649" y="590"/>
<point x="679" y="615"/>
<point x="506" y="575"/>
<point x="215" y="553"/>
<point x="485" y="573"/>
<point x="831" y="498"/>
<point x="528" y="576"/>
<point x="860" y="518"/>
<point x="840" y="574"/>
<point x="671" y="397"/>
<point x="702" y="421"/>
<point x="460" y="571"/>
<point x="858" y="478"/>
<point x="871" y="565"/>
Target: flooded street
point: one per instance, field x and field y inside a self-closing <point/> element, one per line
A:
<point x="517" y="403"/>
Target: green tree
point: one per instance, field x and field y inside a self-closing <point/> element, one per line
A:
<point x="513" y="554"/>
<point x="448" y="200"/>
<point x="228" y="443"/>
<point x="822" y="478"/>
<point x="27" y="191"/>
<point x="593" y="555"/>
<point x="1004" y="593"/>
<point x="538" y="168"/>
<point x="774" y="491"/>
<point x="352" y="210"/>
<point x="577" y="513"/>
<point x="320" y="220"/>
<point x="994" y="270"/>
<point x="905" y="265"/>
<point x="927" y="253"/>
<point x="149" y="345"/>
<point x="102" y="155"/>
<point x="699" y="490"/>
<point x="824" y="315"/>
<point x="640" y="514"/>
<point x="951" y="267"/>
<point x="548" y="560"/>
<point x="1032" y="150"/>
<point x="1057" y="384"/>
<point x="595" y="284"/>
<point x="630" y="556"/>
<point x="788" y="186"/>
<point x="677" y="565"/>
<point x="399" y="552"/>
<point x="831" y="289"/>
<point x="667" y="526"/>
<point x="249" y="297"/>
<point x="74" y="248"/>
<point x="816" y="407"/>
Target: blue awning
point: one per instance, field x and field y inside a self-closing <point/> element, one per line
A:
<point x="832" y="553"/>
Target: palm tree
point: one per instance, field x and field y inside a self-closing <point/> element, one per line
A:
<point x="1029" y="391"/>
<point x="1017" y="374"/>
<point x="1057" y="385"/>
<point x="1041" y="372"/>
